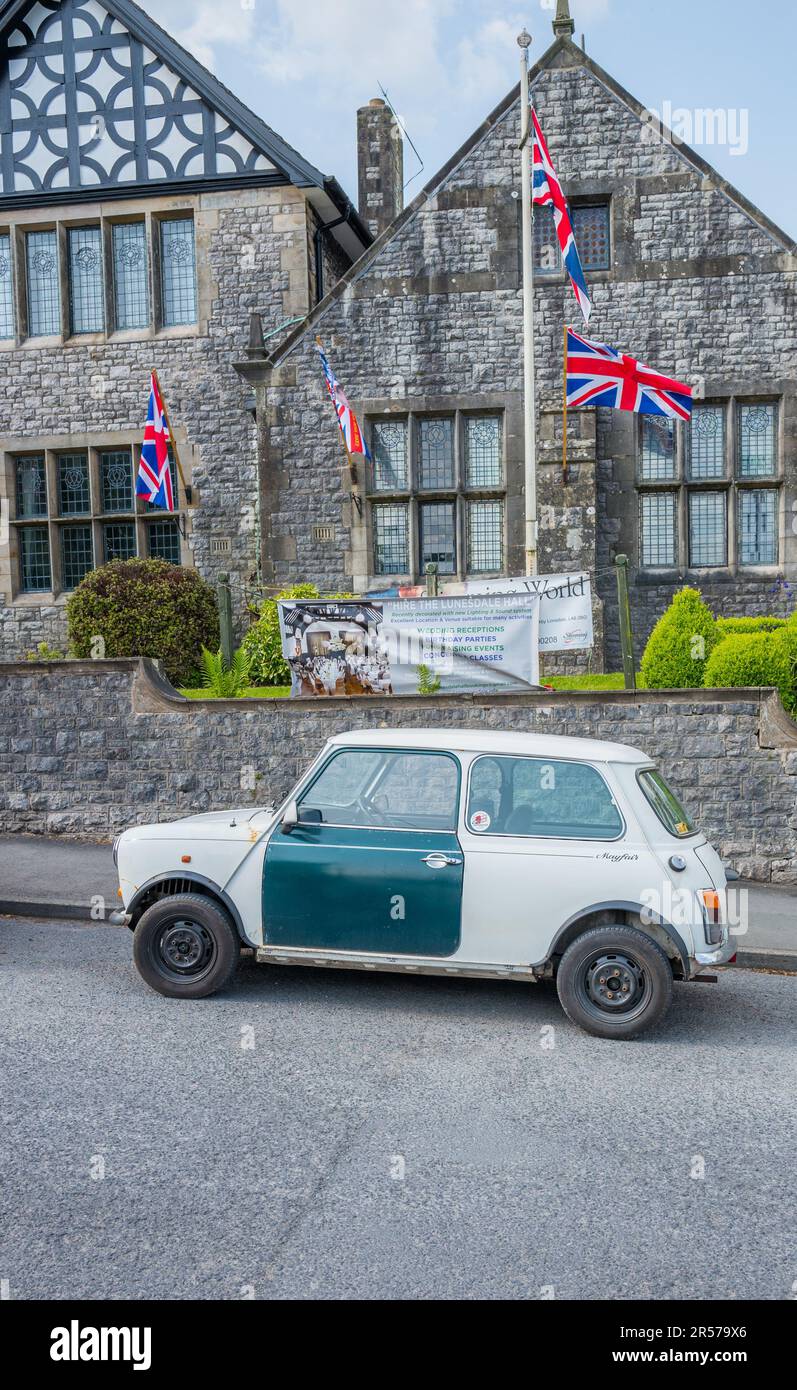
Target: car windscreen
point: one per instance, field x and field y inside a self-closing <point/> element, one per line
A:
<point x="665" y="803"/>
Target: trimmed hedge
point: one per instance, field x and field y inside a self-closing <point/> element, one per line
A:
<point x="680" y="644"/>
<point x="726" y="627"/>
<point x="262" y="646"/>
<point x="145" y="608"/>
<point x="757" y="658"/>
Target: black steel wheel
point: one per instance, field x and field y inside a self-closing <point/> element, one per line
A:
<point x="186" y="946"/>
<point x="614" y="981"/>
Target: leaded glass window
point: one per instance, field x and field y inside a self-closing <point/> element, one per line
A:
<point x="73" y="485"/>
<point x="657" y="454"/>
<point x="34" y="559"/>
<point x="31" y="487"/>
<point x="436" y="449"/>
<point x="547" y="256"/>
<point x="44" y="293"/>
<point x="591" y="232"/>
<point x="163" y="540"/>
<point x="77" y="555"/>
<point x="708" y="531"/>
<point x="116" y="480"/>
<point x="86" y="289"/>
<point x="178" y="271"/>
<point x="757" y="440"/>
<point x="707" y="442"/>
<point x="485" y="537"/>
<point x="391" y="538"/>
<point x="389" y="449"/>
<point x="758" y="526"/>
<point x="7" y="321"/>
<point x="657" y="528"/>
<point x="483" y="450"/>
<point x="437" y="536"/>
<point x="119" y="540"/>
<point x="131" y="295"/>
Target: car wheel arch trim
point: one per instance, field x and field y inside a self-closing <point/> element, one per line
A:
<point x="622" y="905"/>
<point x="200" y="880"/>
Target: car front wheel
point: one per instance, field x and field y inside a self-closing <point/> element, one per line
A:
<point x="614" y="981"/>
<point x="186" y="946"/>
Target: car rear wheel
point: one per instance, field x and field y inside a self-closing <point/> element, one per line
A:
<point x="614" y="981"/>
<point x="186" y="946"/>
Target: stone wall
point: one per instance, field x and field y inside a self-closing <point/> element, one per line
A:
<point x="87" y="748"/>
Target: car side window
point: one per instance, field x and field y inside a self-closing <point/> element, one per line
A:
<point x="384" y="789"/>
<point x="541" y="797"/>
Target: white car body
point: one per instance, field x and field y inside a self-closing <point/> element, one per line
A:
<point x="523" y="897"/>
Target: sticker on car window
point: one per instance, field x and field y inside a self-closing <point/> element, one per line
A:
<point x="480" y="820"/>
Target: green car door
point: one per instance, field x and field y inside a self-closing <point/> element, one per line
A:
<point x="373" y="863"/>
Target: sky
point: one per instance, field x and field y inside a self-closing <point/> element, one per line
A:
<point x="305" y="66"/>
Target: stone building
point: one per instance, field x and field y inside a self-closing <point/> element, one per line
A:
<point x="425" y="333"/>
<point x="144" y="215"/>
<point x="147" y="219"/>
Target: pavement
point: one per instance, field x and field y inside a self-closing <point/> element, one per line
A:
<point x="312" y="1134"/>
<point x="47" y="876"/>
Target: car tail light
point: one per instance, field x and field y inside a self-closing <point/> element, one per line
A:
<point x="712" y="915"/>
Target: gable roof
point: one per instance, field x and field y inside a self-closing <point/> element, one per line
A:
<point x="219" y="137"/>
<point x="563" y="52"/>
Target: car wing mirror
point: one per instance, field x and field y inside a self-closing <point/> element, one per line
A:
<point x="290" y="818"/>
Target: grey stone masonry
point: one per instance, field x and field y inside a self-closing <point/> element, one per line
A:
<point x="87" y="748"/>
<point x="380" y="165"/>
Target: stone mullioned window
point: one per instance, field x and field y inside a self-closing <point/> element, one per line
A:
<point x="710" y="489"/>
<point x="437" y="494"/>
<point x="74" y="509"/>
<point x="97" y="277"/>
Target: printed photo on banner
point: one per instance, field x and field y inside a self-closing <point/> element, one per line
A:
<point x="408" y="646"/>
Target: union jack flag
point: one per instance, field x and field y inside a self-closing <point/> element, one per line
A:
<point x="349" y="428"/>
<point x="546" y="191"/>
<point x="599" y="375"/>
<point x="154" y="479"/>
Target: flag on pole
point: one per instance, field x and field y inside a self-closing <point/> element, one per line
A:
<point x="349" y="428"/>
<point x="546" y="191"/>
<point x="154" y="479"/>
<point x="599" y="375"/>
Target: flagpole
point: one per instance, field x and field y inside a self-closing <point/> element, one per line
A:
<point x="564" y="410"/>
<point x="529" y="403"/>
<point x="172" y="440"/>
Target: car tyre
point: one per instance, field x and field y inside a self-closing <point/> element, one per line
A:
<point x="614" y="981"/>
<point x="186" y="946"/>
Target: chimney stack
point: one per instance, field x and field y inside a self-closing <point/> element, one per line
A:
<point x="380" y="165"/>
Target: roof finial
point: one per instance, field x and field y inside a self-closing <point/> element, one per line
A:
<point x="563" y="25"/>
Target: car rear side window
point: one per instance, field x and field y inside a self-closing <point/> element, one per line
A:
<point x="384" y="789"/>
<point x="541" y="797"/>
<point x="665" y="803"/>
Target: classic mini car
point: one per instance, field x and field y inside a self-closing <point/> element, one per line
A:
<point x="503" y="855"/>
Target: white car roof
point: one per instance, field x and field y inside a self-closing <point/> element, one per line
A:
<point x="474" y="741"/>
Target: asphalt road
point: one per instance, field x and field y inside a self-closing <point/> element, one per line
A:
<point x="384" y="1137"/>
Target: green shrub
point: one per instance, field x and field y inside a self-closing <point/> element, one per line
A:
<point x="788" y="639"/>
<point x="748" y="658"/>
<point x="428" y="684"/>
<point x="729" y="626"/>
<point x="262" y="645"/>
<point x="680" y="644"/>
<point x="222" y="681"/>
<point x="144" y="608"/>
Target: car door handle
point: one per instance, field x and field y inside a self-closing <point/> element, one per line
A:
<point x="437" y="860"/>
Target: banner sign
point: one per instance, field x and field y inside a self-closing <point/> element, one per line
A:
<point x="411" y="646"/>
<point x="565" y="606"/>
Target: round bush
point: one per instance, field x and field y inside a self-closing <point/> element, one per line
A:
<point x="680" y="644"/>
<point x="788" y="640"/>
<point x="748" y="658"/>
<point x="145" y="608"/>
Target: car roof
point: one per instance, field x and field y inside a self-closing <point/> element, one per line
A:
<point x="491" y="741"/>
